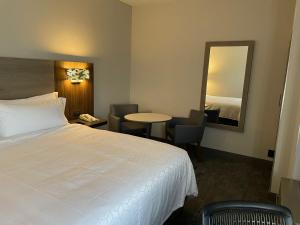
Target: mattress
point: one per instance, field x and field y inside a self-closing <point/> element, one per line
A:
<point x="230" y="108"/>
<point x="76" y="175"/>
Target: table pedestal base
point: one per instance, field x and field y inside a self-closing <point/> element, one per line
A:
<point x="149" y="129"/>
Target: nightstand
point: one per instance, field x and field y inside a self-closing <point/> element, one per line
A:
<point x="100" y="122"/>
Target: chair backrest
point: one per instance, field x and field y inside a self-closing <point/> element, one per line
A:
<point x="122" y="110"/>
<point x="212" y="115"/>
<point x="197" y="117"/>
<point x="240" y="212"/>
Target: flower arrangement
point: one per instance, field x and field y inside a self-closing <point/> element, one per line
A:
<point x="78" y="75"/>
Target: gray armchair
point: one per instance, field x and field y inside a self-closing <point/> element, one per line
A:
<point x="117" y="123"/>
<point x="187" y="130"/>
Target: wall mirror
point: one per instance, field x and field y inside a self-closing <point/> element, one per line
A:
<point x="225" y="85"/>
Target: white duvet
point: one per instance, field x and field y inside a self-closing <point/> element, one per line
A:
<point x="76" y="175"/>
<point x="230" y="108"/>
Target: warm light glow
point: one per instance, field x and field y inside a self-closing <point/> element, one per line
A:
<point x="69" y="41"/>
<point x="212" y="87"/>
<point x="70" y="65"/>
<point x="214" y="65"/>
<point x="211" y="68"/>
<point x="69" y="85"/>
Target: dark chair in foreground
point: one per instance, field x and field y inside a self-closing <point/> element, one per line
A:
<point x="117" y="123"/>
<point x="240" y="213"/>
<point x="186" y="130"/>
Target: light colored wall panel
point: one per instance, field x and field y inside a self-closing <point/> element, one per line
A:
<point x="168" y="42"/>
<point x="287" y="159"/>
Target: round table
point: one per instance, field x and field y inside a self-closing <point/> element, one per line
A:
<point x="148" y="118"/>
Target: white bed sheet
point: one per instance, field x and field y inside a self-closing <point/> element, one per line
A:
<point x="230" y="108"/>
<point x="76" y="175"/>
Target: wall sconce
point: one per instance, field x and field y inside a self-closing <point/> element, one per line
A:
<point x="78" y="75"/>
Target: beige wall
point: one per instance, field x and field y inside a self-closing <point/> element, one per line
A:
<point x="287" y="160"/>
<point x="168" y="43"/>
<point x="226" y="71"/>
<point x="94" y="30"/>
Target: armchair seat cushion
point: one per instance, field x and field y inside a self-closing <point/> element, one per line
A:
<point x="132" y="127"/>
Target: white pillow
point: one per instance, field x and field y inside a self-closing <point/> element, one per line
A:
<point x="35" y="99"/>
<point x="24" y="118"/>
<point x="63" y="102"/>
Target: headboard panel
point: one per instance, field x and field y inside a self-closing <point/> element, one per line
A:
<point x="22" y="78"/>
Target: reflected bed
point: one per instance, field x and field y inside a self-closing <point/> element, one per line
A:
<point x="230" y="108"/>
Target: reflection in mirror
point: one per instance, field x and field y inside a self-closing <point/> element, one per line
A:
<point x="226" y="83"/>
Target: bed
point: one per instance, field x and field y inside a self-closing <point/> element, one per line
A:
<point x="230" y="108"/>
<point x="76" y="175"/>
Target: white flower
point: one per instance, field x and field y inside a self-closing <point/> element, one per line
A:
<point x="71" y="72"/>
<point x="86" y="74"/>
<point x="75" y="74"/>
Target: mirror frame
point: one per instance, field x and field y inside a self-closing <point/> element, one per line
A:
<point x="248" y="71"/>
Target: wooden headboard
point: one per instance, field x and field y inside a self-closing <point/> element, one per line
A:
<point x="80" y="97"/>
<point x="22" y="78"/>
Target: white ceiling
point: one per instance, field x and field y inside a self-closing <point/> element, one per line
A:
<point x="141" y="2"/>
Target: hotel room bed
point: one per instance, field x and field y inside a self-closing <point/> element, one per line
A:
<point x="76" y="175"/>
<point x="230" y="108"/>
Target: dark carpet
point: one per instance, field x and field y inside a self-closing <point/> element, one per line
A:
<point x="224" y="176"/>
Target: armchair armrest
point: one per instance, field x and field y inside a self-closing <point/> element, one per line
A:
<point x="114" y="123"/>
<point x="177" y="121"/>
<point x="188" y="133"/>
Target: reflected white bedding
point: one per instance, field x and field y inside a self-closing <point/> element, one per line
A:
<point x="230" y="108"/>
<point x="75" y="175"/>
